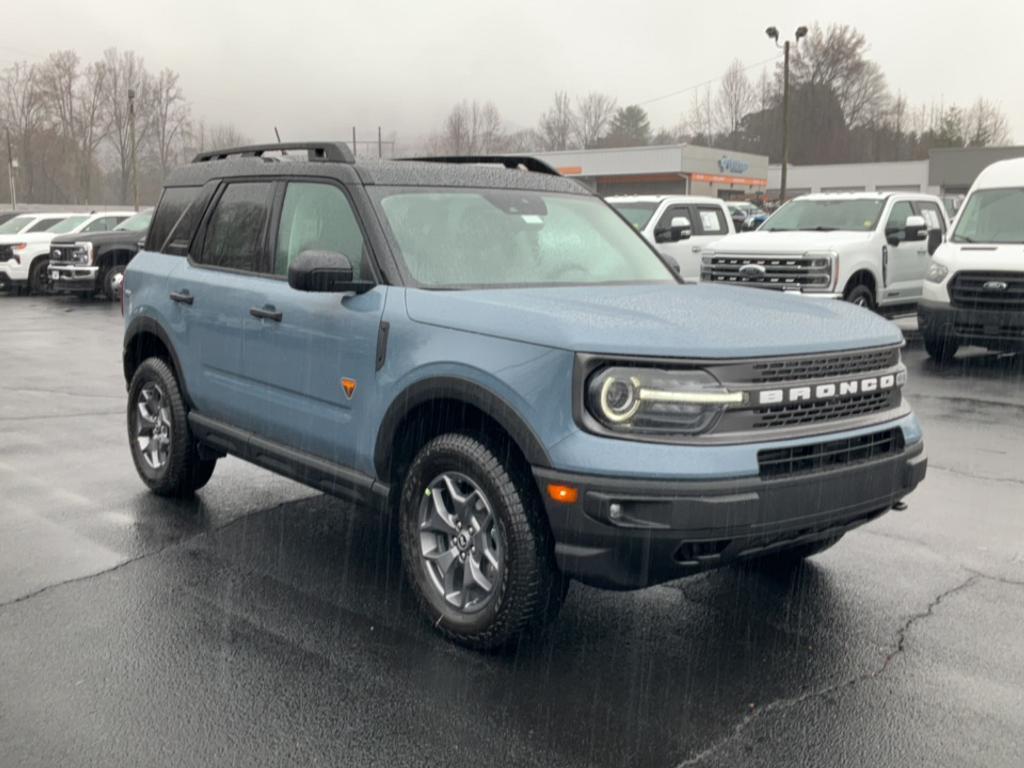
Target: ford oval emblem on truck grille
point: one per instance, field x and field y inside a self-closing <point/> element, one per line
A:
<point x="752" y="270"/>
<point x="995" y="285"/>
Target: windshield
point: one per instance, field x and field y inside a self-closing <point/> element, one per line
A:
<point x="66" y="225"/>
<point x="137" y="223"/>
<point x="15" y="225"/>
<point x="992" y="216"/>
<point x="637" y="214"/>
<point x="851" y="215"/>
<point x="487" y="238"/>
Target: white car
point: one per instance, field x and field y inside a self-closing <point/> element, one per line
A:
<point x="25" y="243"/>
<point x="869" y="248"/>
<point x="974" y="290"/>
<point x="679" y="226"/>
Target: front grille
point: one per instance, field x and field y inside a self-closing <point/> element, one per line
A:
<point x="779" y="273"/>
<point x="821" y="457"/>
<point x="967" y="290"/>
<point x="6" y="252"/>
<point x="63" y="254"/>
<point x="825" y="366"/>
<point x="793" y="414"/>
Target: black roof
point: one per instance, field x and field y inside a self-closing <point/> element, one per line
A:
<point x="333" y="161"/>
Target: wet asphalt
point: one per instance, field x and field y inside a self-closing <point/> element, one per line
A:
<point x="266" y="624"/>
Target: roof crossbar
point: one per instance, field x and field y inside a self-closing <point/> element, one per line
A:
<point x="511" y="162"/>
<point x="316" y="151"/>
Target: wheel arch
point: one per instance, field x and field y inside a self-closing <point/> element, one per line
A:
<point x="862" y="276"/>
<point x="113" y="255"/>
<point x="145" y="338"/>
<point x="444" y="401"/>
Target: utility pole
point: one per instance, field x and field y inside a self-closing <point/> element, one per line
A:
<point x="11" y="164"/>
<point x="773" y="33"/>
<point x="131" y="128"/>
<point x="380" y="145"/>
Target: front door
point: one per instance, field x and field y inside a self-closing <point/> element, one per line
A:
<point x="681" y="250"/>
<point x="903" y="263"/>
<point x="311" y="356"/>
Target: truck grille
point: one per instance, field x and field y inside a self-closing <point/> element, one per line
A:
<point x="62" y="254"/>
<point x="6" y="252"/>
<point x="825" y="366"/>
<point x="967" y="290"/>
<point x="828" y="410"/>
<point x="775" y="463"/>
<point x="779" y="273"/>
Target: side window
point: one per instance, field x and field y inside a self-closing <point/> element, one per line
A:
<point x="43" y="224"/>
<point x="712" y="220"/>
<point x="173" y="203"/>
<point x="671" y="212"/>
<point x="932" y="215"/>
<point x="235" y="232"/>
<point x="898" y="220"/>
<point x="318" y="217"/>
<point x="103" y="224"/>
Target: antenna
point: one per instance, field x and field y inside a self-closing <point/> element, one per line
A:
<point x="278" y="134"/>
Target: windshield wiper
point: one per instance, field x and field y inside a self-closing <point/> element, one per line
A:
<point x="818" y="229"/>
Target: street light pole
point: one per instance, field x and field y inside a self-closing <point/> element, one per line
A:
<point x="131" y="128"/>
<point x="773" y="33"/>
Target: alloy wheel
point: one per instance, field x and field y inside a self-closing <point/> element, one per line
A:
<point x="153" y="426"/>
<point x="462" y="547"/>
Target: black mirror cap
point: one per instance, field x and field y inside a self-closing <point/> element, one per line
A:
<point x="934" y="240"/>
<point x="324" y="272"/>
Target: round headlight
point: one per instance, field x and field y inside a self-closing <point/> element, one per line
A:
<point x="619" y="399"/>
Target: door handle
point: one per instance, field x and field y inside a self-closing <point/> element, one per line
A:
<point x="696" y="249"/>
<point x="184" y="297"/>
<point x="266" y="313"/>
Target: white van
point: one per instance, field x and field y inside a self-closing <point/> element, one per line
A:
<point x="974" y="289"/>
<point x="679" y="226"/>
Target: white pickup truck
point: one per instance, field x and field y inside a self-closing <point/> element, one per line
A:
<point x="870" y="248"/>
<point x="679" y="226"/>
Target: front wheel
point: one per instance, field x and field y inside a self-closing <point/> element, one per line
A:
<point x="39" y="276"/>
<point x="110" y="283"/>
<point x="860" y="295"/>
<point x="163" y="449"/>
<point x="940" y="348"/>
<point x="475" y="545"/>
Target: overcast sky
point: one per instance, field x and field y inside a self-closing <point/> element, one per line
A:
<point x="314" y="68"/>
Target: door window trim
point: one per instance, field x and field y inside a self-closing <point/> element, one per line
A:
<point x="199" y="240"/>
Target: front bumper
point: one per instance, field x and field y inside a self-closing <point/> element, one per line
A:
<point x="12" y="273"/>
<point x="994" y="329"/>
<point x="666" y="529"/>
<point x="72" y="277"/>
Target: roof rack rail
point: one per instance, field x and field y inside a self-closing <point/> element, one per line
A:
<point x="511" y="162"/>
<point x="316" y="151"/>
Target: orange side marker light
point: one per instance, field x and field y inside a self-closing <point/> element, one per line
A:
<point x="349" y="385"/>
<point x="564" y="494"/>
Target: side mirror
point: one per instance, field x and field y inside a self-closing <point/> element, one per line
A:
<point x="679" y="228"/>
<point x="934" y="240"/>
<point x="916" y="228"/>
<point x="324" y="272"/>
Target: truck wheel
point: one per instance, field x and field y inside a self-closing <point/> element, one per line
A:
<point x="788" y="559"/>
<point x="39" y="276"/>
<point x="940" y="348"/>
<point x="475" y="546"/>
<point x="110" y="282"/>
<point x="860" y="295"/>
<point x="162" y="445"/>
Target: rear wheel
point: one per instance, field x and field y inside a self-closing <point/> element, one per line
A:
<point x="940" y="347"/>
<point x="39" y="276"/>
<point x="861" y="295"/>
<point x="475" y="545"/>
<point x="110" y="282"/>
<point x="163" y="449"/>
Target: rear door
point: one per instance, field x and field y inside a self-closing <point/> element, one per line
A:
<point x="311" y="357"/>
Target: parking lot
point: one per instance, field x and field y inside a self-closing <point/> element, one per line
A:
<point x="263" y="623"/>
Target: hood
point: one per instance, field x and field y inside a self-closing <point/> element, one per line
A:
<point x="998" y="258"/>
<point x="788" y="242"/>
<point x="100" y="238"/>
<point x="703" y="320"/>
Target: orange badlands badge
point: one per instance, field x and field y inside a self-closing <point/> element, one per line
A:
<point x="349" y="385"/>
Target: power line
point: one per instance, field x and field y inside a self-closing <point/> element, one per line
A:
<point x="706" y="82"/>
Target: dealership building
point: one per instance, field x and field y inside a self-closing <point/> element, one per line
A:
<point x="665" y="169"/>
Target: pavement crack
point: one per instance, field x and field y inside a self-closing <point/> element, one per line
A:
<point x="997" y="579"/>
<point x="899" y="646"/>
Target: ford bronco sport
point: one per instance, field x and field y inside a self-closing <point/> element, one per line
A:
<point x="488" y="351"/>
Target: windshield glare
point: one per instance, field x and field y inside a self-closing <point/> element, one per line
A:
<point x="637" y="214"/>
<point x="15" y="225"/>
<point x="992" y="216"/>
<point x="66" y="225"/>
<point x="137" y="223"/>
<point x="490" y="238"/>
<point x="852" y="215"/>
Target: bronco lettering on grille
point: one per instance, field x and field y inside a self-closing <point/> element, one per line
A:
<point x="830" y="390"/>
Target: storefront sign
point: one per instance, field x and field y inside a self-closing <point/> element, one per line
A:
<point x="731" y="165"/>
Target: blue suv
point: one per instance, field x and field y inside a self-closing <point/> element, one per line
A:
<point x="490" y="353"/>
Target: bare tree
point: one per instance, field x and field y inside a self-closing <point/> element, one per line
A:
<point x="556" y="126"/>
<point x="170" y="114"/>
<point x="593" y="115"/>
<point x="126" y="75"/>
<point x="985" y="125"/>
<point x="736" y="97"/>
<point x="224" y="136"/>
<point x="471" y="128"/>
<point x="700" y="122"/>
<point x="75" y="98"/>
<point x="23" y="113"/>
